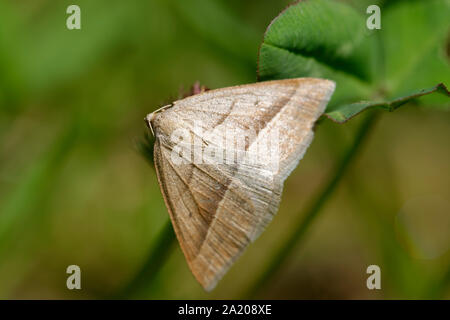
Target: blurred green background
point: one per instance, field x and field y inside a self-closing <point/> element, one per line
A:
<point x="75" y="190"/>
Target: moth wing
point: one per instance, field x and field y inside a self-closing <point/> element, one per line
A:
<point x="218" y="209"/>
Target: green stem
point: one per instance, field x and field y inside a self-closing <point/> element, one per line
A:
<point x="313" y="209"/>
<point x="149" y="269"/>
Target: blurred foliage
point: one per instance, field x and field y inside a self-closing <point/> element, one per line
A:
<point x="74" y="190"/>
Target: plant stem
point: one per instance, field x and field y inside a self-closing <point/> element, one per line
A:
<point x="311" y="211"/>
<point x="145" y="276"/>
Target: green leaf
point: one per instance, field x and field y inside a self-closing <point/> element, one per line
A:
<point x="322" y="39"/>
<point x="345" y="112"/>
<point x="307" y="30"/>
<point x="328" y="39"/>
<point x="414" y="36"/>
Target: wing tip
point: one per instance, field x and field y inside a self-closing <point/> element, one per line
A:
<point x="331" y="85"/>
<point x="207" y="283"/>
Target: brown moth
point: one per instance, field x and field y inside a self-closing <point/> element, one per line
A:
<point x="221" y="158"/>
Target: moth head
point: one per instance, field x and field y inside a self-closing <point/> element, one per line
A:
<point x="150" y="118"/>
<point x="148" y="121"/>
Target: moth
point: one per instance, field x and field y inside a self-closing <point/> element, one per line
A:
<point x="221" y="158"/>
